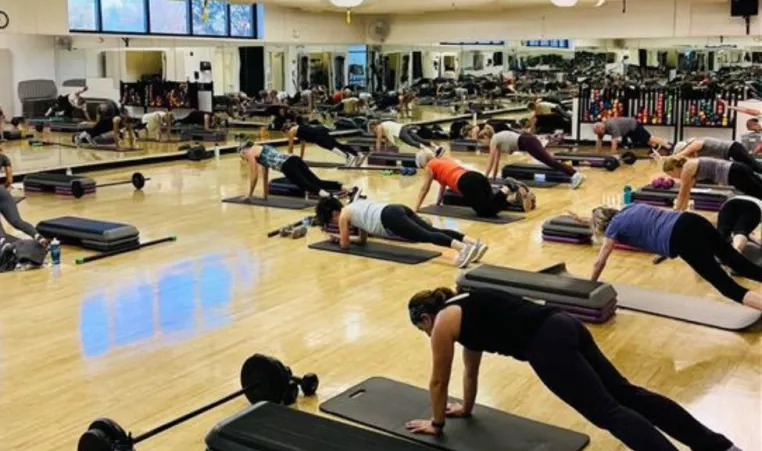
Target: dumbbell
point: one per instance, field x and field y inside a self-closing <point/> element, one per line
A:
<point x="263" y="378"/>
<point x="308" y="383"/>
<point x="137" y="180"/>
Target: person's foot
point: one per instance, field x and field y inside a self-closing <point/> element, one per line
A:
<point x="465" y="256"/>
<point x="77" y="140"/>
<point x="361" y="157"/>
<point x="350" y="163"/>
<point x="481" y="249"/>
<point x="577" y="180"/>
<point x="323" y="193"/>
<point x="439" y="151"/>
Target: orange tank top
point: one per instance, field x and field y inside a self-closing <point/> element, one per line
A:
<point x="447" y="172"/>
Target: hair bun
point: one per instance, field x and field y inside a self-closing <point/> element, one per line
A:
<point x="441" y="295"/>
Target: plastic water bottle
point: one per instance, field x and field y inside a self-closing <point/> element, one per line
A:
<point x="55" y="251"/>
<point x="627" y="195"/>
<point x="539" y="177"/>
<point x="216" y="151"/>
<point x="307" y="221"/>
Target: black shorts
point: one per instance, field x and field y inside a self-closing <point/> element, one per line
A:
<point x="738" y="217"/>
<point x="639" y="137"/>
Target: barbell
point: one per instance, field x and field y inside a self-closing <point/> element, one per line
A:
<point x="137" y="180"/>
<point x="263" y="378"/>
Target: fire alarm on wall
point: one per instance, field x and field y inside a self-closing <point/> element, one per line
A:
<point x="4" y="20"/>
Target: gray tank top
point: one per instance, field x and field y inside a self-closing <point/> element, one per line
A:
<point x="366" y="215"/>
<point x="714" y="170"/>
<point x="715" y="148"/>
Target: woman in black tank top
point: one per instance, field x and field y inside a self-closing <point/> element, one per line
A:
<point x="564" y="356"/>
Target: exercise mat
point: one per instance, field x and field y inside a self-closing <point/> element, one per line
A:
<point x="387" y="405"/>
<point x="380" y="251"/>
<point x="286" y="203"/>
<point x="451" y="211"/>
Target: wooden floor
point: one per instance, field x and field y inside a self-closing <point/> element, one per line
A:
<point x="149" y="335"/>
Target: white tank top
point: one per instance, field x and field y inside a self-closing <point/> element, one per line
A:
<point x="391" y="130"/>
<point x="366" y="215"/>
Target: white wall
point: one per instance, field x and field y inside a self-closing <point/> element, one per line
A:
<point x="287" y="25"/>
<point x="32" y="57"/>
<point x="36" y="16"/>
<point x="643" y="19"/>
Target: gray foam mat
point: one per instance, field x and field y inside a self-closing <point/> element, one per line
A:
<point x="380" y="251"/>
<point x="324" y="164"/>
<point x="450" y="211"/>
<point x="286" y="203"/>
<point x="387" y="405"/>
<point x="273" y="427"/>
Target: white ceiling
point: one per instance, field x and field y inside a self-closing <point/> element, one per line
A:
<point x="419" y="6"/>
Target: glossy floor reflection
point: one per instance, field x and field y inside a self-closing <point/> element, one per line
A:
<point x="152" y="334"/>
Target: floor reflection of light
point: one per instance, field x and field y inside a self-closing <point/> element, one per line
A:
<point x="176" y="299"/>
<point x="133" y="314"/>
<point x="216" y="291"/>
<point x="353" y="326"/>
<point x="94" y="326"/>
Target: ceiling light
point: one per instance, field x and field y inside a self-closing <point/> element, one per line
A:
<point x="346" y="3"/>
<point x="564" y="3"/>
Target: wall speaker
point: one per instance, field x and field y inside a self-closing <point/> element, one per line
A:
<point x="743" y="8"/>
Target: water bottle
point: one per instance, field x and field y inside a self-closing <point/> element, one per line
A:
<point x="55" y="251"/>
<point x="539" y="177"/>
<point x="216" y="151"/>
<point x="307" y="221"/>
<point x="627" y="195"/>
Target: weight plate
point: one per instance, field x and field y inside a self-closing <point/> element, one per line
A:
<point x="264" y="379"/>
<point x="77" y="189"/>
<point x="94" y="440"/>
<point x="138" y="180"/>
<point x="292" y="394"/>
<point x="4" y="20"/>
<point x="310" y="383"/>
<point x="629" y="158"/>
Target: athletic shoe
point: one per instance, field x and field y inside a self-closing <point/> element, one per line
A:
<point x="439" y="152"/>
<point x="350" y="163"/>
<point x="77" y="139"/>
<point x="465" y="256"/>
<point x="577" y="180"/>
<point x="481" y="249"/>
<point x="355" y="194"/>
<point x="361" y="157"/>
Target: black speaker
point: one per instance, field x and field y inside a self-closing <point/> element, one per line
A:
<point x="743" y="8"/>
<point x="643" y="57"/>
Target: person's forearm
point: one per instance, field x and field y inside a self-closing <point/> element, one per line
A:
<point x="440" y="196"/>
<point x="438" y="392"/>
<point x="681" y="203"/>
<point x="252" y="186"/>
<point x="421" y="197"/>
<point x="378" y="143"/>
<point x="597" y="270"/>
<point x="598" y="144"/>
<point x="470" y="388"/>
<point x="614" y="143"/>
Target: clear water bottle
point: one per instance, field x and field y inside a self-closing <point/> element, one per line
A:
<point x="55" y="251"/>
<point x="307" y="221"/>
<point x="627" y="198"/>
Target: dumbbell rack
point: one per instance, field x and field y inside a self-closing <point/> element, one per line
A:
<point x="701" y="109"/>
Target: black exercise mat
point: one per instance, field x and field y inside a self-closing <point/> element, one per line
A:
<point x="273" y="427"/>
<point x="286" y="203"/>
<point x="450" y="211"/>
<point x="380" y="251"/>
<point x="529" y="183"/>
<point x="387" y="405"/>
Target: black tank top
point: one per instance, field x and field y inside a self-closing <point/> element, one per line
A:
<point x="309" y="133"/>
<point x="500" y="323"/>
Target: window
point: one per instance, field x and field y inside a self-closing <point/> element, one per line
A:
<point x="123" y="16"/>
<point x="82" y="15"/>
<point x="241" y="21"/>
<point x="213" y="22"/>
<point x="169" y="16"/>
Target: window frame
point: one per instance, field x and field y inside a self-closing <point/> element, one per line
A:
<point x="255" y="24"/>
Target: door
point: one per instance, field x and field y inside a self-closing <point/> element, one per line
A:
<point x="276" y="71"/>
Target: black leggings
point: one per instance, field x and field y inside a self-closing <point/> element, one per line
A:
<point x="531" y="145"/>
<point x="297" y="171"/>
<point x="195" y="117"/>
<point x="745" y="180"/>
<point x="403" y="222"/>
<point x="738" y="217"/>
<point x="568" y="361"/>
<point x="698" y="243"/>
<point x="10" y="212"/>
<point x="477" y="192"/>
<point x="63" y="105"/>
<point x="326" y="141"/>
<point x="409" y="135"/>
<point x="738" y="153"/>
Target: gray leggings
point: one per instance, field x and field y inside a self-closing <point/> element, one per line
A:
<point x="10" y="212"/>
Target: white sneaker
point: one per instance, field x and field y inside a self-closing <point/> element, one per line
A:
<point x="465" y="256"/>
<point x="350" y="163"/>
<point x="481" y="249"/>
<point x="361" y="158"/>
<point x="577" y="180"/>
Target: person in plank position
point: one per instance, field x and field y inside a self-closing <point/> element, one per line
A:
<point x="394" y="220"/>
<point x="321" y="136"/>
<point x="716" y="148"/>
<point x="267" y="158"/>
<point x="8" y="208"/>
<point x="198" y="118"/>
<point x="510" y="141"/>
<point x="66" y="104"/>
<point x="673" y="234"/>
<point x="105" y="129"/>
<point x="475" y="188"/>
<point x="158" y="125"/>
<point x="563" y="355"/>
<point x="629" y="131"/>
<point x="391" y="132"/>
<point x="690" y="171"/>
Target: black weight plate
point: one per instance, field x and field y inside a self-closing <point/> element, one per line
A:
<point x="292" y="394"/>
<point x="138" y="181"/>
<point x="77" y="189"/>
<point x="264" y="379"/>
<point x="629" y="158"/>
<point x="94" y="440"/>
<point x="610" y="164"/>
<point x="111" y="430"/>
<point x="310" y="383"/>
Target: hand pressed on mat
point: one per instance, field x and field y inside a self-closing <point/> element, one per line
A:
<point x="422" y="427"/>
